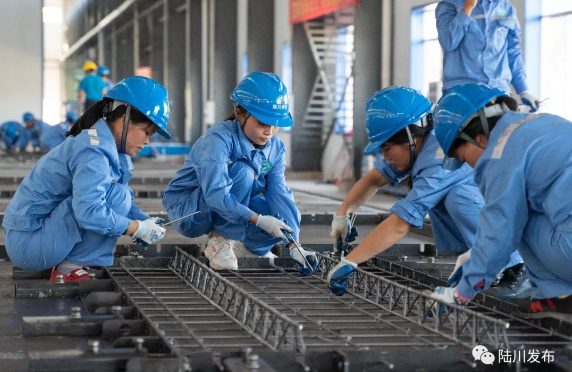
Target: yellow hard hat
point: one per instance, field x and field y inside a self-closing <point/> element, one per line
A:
<point x="89" y="65"/>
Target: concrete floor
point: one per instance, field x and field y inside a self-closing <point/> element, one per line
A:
<point x="312" y="197"/>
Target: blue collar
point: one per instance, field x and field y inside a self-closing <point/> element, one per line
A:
<point x="246" y="146"/>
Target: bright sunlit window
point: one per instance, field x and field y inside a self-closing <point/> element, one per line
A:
<point x="52" y="14"/>
<point x="426" y="53"/>
<point x="556" y="56"/>
<point x="344" y="85"/>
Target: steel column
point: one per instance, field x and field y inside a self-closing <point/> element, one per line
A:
<point x="136" y="37"/>
<point x="166" y="43"/>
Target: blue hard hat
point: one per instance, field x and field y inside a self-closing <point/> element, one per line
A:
<point x="71" y="116"/>
<point x="390" y="110"/>
<point x="11" y="130"/>
<point x="265" y="97"/>
<point x="147" y="96"/>
<point x="456" y="106"/>
<point x="27" y="116"/>
<point x="103" y="71"/>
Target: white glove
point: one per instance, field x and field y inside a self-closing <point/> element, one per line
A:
<point x="148" y="231"/>
<point x="447" y="295"/>
<point x="273" y="226"/>
<point x="340" y="228"/>
<point x="304" y="258"/>
<point x="529" y="100"/>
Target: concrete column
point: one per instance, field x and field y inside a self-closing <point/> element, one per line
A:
<point x="261" y="35"/>
<point x="224" y="56"/>
<point x="195" y="66"/>
<point x="100" y="48"/>
<point x="136" y="37"/>
<point x="166" y="43"/>
<point x="113" y="54"/>
<point x="242" y="38"/>
<point x="124" y="53"/>
<point x="157" y="41"/>
<point x="175" y="77"/>
<point x="367" y="71"/>
<point x="283" y="63"/>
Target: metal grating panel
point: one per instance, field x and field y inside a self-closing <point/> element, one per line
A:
<point x="196" y="309"/>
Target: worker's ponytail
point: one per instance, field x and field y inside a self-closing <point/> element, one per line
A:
<point x="88" y="119"/>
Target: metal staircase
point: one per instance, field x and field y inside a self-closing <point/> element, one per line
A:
<point x="331" y="98"/>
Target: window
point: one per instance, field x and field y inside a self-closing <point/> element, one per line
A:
<point x="426" y="66"/>
<point x="344" y="84"/>
<point x="549" y="53"/>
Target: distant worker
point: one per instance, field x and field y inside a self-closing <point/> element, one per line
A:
<point x="9" y="134"/>
<point x="91" y="88"/>
<point x="56" y="134"/>
<point x="399" y="121"/>
<point x="104" y="73"/>
<point x="522" y="166"/>
<point x="31" y="133"/>
<point x="72" y="207"/>
<point x="226" y="172"/>
<point x="481" y="44"/>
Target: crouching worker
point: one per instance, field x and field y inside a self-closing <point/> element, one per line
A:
<point x="228" y="169"/>
<point x="399" y="120"/>
<point x="72" y="207"/>
<point x="522" y="166"/>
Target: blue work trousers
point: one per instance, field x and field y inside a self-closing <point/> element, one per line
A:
<point x="59" y="237"/>
<point x="255" y="240"/>
<point x="547" y="254"/>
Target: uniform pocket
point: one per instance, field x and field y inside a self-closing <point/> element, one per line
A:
<point x="503" y="26"/>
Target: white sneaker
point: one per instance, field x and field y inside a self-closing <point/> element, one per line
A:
<point x="240" y="251"/>
<point x="220" y="254"/>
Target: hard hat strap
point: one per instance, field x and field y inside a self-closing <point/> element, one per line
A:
<point x="236" y="112"/>
<point x="125" y="126"/>
<point x="465" y="136"/>
<point x="411" y="148"/>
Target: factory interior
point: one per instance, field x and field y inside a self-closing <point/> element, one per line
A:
<point x="285" y="185"/>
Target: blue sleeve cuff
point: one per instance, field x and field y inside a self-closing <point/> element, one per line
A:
<point x="407" y="212"/>
<point x="245" y="213"/>
<point x="137" y="214"/>
<point x="519" y="84"/>
<point x="121" y="226"/>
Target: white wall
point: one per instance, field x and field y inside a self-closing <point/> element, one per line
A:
<point x="21" y="58"/>
<point x="53" y="110"/>
<point x="401" y="35"/>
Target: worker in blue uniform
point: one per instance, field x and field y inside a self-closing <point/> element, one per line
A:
<point x="56" y="134"/>
<point x="522" y="166"/>
<point x="72" y="207"/>
<point x="399" y="120"/>
<point x="229" y="168"/>
<point x="31" y="132"/>
<point x="103" y="72"/>
<point x="91" y="88"/>
<point x="481" y="44"/>
<point x="9" y="135"/>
